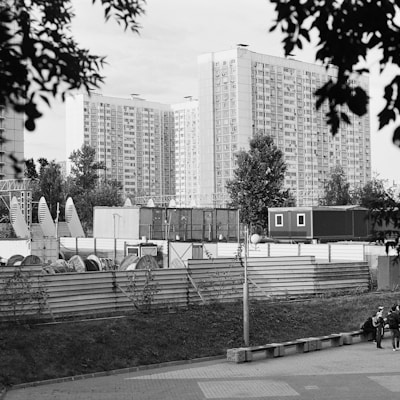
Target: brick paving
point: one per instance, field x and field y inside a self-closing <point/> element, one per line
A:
<point x="358" y="371"/>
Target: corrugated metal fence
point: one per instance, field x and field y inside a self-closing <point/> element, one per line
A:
<point x="220" y="279"/>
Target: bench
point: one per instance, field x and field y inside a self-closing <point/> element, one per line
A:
<point x="360" y="335"/>
<point x="271" y="350"/>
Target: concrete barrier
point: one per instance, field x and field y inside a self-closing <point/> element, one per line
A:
<point x="304" y="345"/>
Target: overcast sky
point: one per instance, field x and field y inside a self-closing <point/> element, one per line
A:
<point x="161" y="62"/>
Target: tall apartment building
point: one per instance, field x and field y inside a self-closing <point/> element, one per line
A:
<point x="242" y="93"/>
<point x="186" y="120"/>
<point x="133" y="137"/>
<point x="12" y="131"/>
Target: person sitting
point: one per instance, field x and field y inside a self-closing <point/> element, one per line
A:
<point x="368" y="328"/>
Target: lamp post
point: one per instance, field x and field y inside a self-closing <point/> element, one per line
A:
<point x="246" y="319"/>
<point x="115" y="233"/>
<point x="246" y="335"/>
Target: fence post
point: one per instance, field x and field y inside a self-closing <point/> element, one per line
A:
<point x="329" y="253"/>
<point x="299" y="249"/>
<point x="76" y="246"/>
<point x="114" y="288"/>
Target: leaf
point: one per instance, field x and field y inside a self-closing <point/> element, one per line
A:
<point x="396" y="137"/>
<point x="358" y="101"/>
<point x="385" y="116"/>
<point x="345" y="118"/>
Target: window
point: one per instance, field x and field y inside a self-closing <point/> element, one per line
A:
<point x="301" y="220"/>
<point x="278" y="219"/>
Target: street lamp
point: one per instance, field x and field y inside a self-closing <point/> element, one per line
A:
<point x="246" y="329"/>
<point x="246" y="335"/>
<point x="115" y="234"/>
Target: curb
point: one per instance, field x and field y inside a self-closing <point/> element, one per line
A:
<point x="111" y="372"/>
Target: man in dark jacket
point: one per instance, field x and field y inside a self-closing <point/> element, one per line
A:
<point x="368" y="328"/>
<point x="393" y="320"/>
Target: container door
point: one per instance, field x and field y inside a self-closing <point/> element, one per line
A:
<point x="158" y="224"/>
<point x="197" y="251"/>
<point x="232" y="225"/>
<point x="208" y="226"/>
<point x="145" y="222"/>
<point x="197" y="224"/>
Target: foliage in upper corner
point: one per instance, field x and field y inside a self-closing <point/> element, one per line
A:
<point x="347" y="30"/>
<point x="258" y="182"/>
<point x="40" y="58"/>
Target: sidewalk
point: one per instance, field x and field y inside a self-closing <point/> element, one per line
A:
<point x="358" y="371"/>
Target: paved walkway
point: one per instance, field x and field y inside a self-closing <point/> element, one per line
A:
<point x="358" y="371"/>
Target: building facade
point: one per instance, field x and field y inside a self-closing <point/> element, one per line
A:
<point x="133" y="137"/>
<point x="243" y="93"/>
<point x="12" y="134"/>
<point x="186" y="125"/>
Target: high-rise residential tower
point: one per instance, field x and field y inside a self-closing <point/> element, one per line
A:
<point x="133" y="137"/>
<point x="186" y="119"/>
<point x="243" y="93"/>
<point x="12" y="131"/>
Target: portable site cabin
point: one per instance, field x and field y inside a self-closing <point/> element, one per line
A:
<point x="319" y="223"/>
<point x="160" y="223"/>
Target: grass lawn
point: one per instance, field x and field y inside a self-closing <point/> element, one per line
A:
<point x="38" y="352"/>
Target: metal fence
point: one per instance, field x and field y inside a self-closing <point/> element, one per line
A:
<point x="72" y="294"/>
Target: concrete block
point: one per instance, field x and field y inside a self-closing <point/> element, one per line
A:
<point x="275" y="350"/>
<point x="314" y="344"/>
<point x="335" y="340"/>
<point x="237" y="355"/>
<point x="347" y="339"/>
<point x="365" y="337"/>
<point x="248" y="355"/>
<point x="302" y="346"/>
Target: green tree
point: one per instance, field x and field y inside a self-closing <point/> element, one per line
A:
<point x="348" y="30"/>
<point x="87" y="189"/>
<point x="84" y="169"/>
<point x="30" y="169"/>
<point x="40" y="59"/>
<point x="50" y="184"/>
<point x="337" y="190"/>
<point x="373" y="193"/>
<point x="258" y="181"/>
<point x="108" y="193"/>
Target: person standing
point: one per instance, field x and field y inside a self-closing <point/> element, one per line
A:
<point x="378" y="323"/>
<point x="393" y="320"/>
